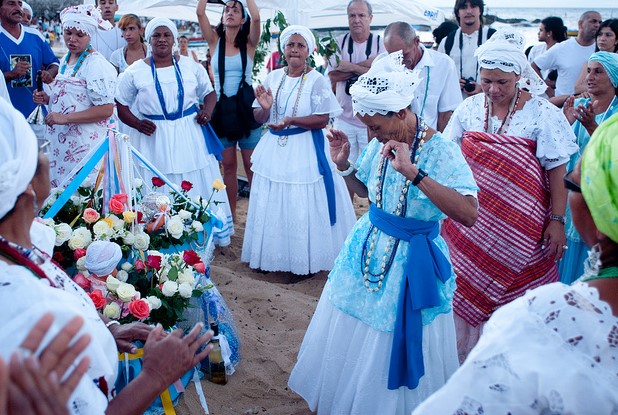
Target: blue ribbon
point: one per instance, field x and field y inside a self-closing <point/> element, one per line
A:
<point x="213" y="144"/>
<point x="79" y="178"/>
<point x="419" y="290"/>
<point x="323" y="166"/>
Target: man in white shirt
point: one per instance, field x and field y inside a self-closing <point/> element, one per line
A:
<point x="107" y="41"/>
<point x="461" y="44"/>
<point x="358" y="48"/>
<point x="438" y="92"/>
<point x="568" y="57"/>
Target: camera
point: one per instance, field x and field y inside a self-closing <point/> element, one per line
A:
<point x="349" y="83"/>
<point x="469" y="84"/>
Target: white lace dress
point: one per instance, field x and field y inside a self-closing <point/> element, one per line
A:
<point x="288" y="226"/>
<point x="93" y="84"/>
<point x="552" y="351"/>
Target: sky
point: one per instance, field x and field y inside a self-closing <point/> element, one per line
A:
<point x="534" y="3"/>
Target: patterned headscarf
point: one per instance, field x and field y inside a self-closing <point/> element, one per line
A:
<point x="85" y="17"/>
<point x="298" y="30"/>
<point x="610" y="64"/>
<point x="600" y="177"/>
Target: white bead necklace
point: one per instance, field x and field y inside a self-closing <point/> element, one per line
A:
<point x="283" y="140"/>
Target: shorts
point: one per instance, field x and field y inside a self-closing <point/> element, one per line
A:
<point x="247" y="143"/>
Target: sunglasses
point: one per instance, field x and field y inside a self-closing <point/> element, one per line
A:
<point x="570" y="184"/>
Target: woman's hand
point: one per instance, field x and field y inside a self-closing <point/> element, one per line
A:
<point x="124" y="334"/>
<point x="554" y="240"/>
<point x="568" y="109"/>
<point x="146" y="127"/>
<point x="585" y="115"/>
<point x="339" y="148"/>
<point x="54" y="118"/>
<point x="399" y="155"/>
<point x="203" y="117"/>
<point x="264" y="97"/>
<point x="40" y="98"/>
<point x="285" y="123"/>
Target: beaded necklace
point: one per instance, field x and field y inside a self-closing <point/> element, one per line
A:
<point x="78" y="64"/>
<point x="374" y="281"/>
<point x="283" y="140"/>
<point x="507" y="119"/>
<point x="181" y="90"/>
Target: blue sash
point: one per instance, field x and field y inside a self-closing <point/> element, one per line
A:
<point x="419" y="290"/>
<point x="213" y="144"/>
<point x="323" y="166"/>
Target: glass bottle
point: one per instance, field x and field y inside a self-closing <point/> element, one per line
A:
<point x="217" y="365"/>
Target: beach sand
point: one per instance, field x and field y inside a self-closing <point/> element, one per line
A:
<point x="272" y="312"/>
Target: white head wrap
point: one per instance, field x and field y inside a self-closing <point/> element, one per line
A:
<point x="85" y="17"/>
<point x="303" y="31"/>
<point x="18" y="156"/>
<point x="388" y="86"/>
<point x="102" y="257"/>
<point x="26" y="6"/>
<point x="505" y="51"/>
<point x="158" y="22"/>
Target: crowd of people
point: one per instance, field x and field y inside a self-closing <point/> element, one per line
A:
<point x="457" y="292"/>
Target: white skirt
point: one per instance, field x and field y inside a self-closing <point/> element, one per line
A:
<point x="343" y="364"/>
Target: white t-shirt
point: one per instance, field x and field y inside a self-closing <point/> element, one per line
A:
<point x="536" y="51"/>
<point x="567" y="57"/>
<point x="107" y="41"/>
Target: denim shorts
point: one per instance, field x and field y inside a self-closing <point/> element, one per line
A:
<point x="248" y="143"/>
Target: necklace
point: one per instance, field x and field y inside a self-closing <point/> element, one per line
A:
<point x="283" y="140"/>
<point x="78" y="64"/>
<point x="181" y="90"/>
<point x="507" y="119"/>
<point x="373" y="281"/>
<point x="125" y="50"/>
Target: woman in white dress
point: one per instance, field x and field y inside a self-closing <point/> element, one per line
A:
<point x="174" y="134"/>
<point x="299" y="212"/>
<point x="82" y="94"/>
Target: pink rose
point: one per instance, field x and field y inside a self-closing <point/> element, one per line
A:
<point x="200" y="267"/>
<point x="139" y="265"/>
<point x="97" y="298"/>
<point x="140" y="309"/>
<point x="90" y="215"/>
<point x="78" y="253"/>
<point x="116" y="206"/>
<point x="121" y="197"/>
<point x="82" y="281"/>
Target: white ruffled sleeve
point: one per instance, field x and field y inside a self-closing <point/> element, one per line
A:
<point x="464" y="118"/>
<point x="100" y="76"/>
<point x="323" y="101"/>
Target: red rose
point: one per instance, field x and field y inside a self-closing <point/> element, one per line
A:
<point x="78" y="253"/>
<point x="58" y="257"/>
<point x="191" y="257"/>
<point x="139" y="265"/>
<point x="97" y="298"/>
<point x="200" y="267"/>
<point x="121" y="197"/>
<point x="186" y="185"/>
<point x="154" y="261"/>
<point x="156" y="181"/>
<point x="140" y="217"/>
<point x="116" y="206"/>
<point x="139" y="308"/>
<point x="82" y="281"/>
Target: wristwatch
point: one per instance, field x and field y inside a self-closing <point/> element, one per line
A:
<point x="558" y="218"/>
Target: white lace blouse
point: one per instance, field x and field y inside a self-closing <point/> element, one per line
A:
<point x="538" y="120"/>
<point x="552" y="351"/>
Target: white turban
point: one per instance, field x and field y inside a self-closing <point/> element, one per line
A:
<point x="102" y="257"/>
<point x="505" y="51"/>
<point x="85" y="17"/>
<point x="18" y="156"/>
<point x="158" y="22"/>
<point x="388" y="86"/>
<point x="26" y="6"/>
<point x="303" y="31"/>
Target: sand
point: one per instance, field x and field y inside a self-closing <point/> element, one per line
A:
<point x="272" y="312"/>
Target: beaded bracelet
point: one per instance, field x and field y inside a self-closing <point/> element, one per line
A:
<point x="347" y="171"/>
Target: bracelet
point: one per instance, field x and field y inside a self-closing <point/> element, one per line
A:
<point x="420" y="176"/>
<point x="347" y="171"/>
<point x="111" y="323"/>
<point x="558" y="218"/>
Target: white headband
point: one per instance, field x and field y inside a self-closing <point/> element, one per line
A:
<point x="85" y="17"/>
<point x="18" y="156"/>
<point x="298" y="30"/>
<point x="102" y="257"/>
<point x="158" y="22"/>
<point x="505" y="51"/>
<point x="388" y="86"/>
<point x="26" y="6"/>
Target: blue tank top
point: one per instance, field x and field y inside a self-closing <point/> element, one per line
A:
<point x="233" y="69"/>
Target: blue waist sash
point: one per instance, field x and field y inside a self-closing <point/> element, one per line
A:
<point x="213" y="144"/>
<point x="323" y="166"/>
<point x="419" y="290"/>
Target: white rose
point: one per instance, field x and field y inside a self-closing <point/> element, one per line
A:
<point x="81" y="263"/>
<point x="186" y="276"/>
<point x="125" y="292"/>
<point x="126" y="266"/>
<point x="83" y="232"/>
<point x="153" y="302"/>
<point x="163" y="201"/>
<point x="128" y="238"/>
<point x="81" y="238"/>
<point x="101" y="228"/>
<point x="184" y="214"/>
<point x="112" y="283"/>
<point x="169" y="288"/>
<point x="175" y="227"/>
<point x="185" y="290"/>
<point x="137" y="182"/>
<point x="122" y="276"/>
<point x="112" y="310"/>
<point x="197" y="225"/>
<point x="118" y="224"/>
<point x="63" y="233"/>
<point x="142" y="241"/>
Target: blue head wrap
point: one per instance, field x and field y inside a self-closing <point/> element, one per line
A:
<point x="610" y="64"/>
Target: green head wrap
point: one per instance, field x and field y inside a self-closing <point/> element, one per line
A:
<point x="600" y="177"/>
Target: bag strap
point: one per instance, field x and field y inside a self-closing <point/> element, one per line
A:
<point x="221" y="61"/>
<point x="450" y="41"/>
<point x="243" y="60"/>
<point x="367" y="47"/>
